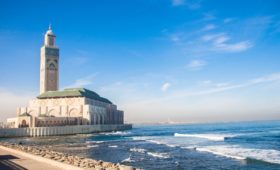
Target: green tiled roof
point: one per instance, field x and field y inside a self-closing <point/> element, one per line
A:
<point x="45" y="115"/>
<point x="24" y="114"/>
<point x="74" y="92"/>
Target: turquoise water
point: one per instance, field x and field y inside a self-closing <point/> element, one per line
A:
<point x="244" y="145"/>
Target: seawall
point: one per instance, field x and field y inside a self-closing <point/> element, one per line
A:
<point x="61" y="130"/>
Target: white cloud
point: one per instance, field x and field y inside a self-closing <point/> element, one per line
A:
<point x="221" y="39"/>
<point x="197" y="64"/>
<point x="175" y="38"/>
<point x="178" y="2"/>
<point x="222" y="84"/>
<point x="272" y="77"/>
<point x="237" y="47"/>
<point x="209" y="27"/>
<point x="206" y="82"/>
<point x="82" y="82"/>
<point x="210" y="37"/>
<point x="165" y="86"/>
<point x="210" y="83"/>
<point x="228" y="20"/>
<point x="220" y="43"/>
<point x="191" y="4"/>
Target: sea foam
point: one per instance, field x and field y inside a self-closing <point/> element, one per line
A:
<point x="213" y="137"/>
<point x="128" y="160"/>
<point x="95" y="141"/>
<point x="122" y="133"/>
<point x="220" y="153"/>
<point x="158" y="155"/>
<point x="92" y="146"/>
<point x="236" y="152"/>
<point x="140" y="150"/>
<point x="161" y="143"/>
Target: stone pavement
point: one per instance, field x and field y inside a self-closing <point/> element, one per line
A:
<point x="14" y="161"/>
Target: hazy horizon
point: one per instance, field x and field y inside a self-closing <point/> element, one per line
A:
<point x="158" y="61"/>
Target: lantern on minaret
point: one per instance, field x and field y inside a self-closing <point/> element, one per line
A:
<point x="50" y="37"/>
<point x="49" y="68"/>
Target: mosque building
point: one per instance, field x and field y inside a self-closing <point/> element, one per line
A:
<point x="72" y="106"/>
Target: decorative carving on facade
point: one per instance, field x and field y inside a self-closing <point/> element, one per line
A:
<point x="70" y="101"/>
<point x="56" y="102"/>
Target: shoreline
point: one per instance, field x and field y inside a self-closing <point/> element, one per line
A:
<point x="61" y="160"/>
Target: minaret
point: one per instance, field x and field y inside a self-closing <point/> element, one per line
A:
<point x="49" y="69"/>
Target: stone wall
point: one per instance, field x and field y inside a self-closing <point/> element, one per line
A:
<point x="61" y="130"/>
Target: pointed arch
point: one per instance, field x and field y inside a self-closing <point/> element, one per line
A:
<point x="52" y="112"/>
<point x="74" y="112"/>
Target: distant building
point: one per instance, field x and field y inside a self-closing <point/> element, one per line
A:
<point x="73" y="106"/>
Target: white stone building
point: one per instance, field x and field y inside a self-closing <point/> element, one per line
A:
<point x="75" y="106"/>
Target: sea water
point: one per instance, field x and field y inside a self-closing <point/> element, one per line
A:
<point x="242" y="145"/>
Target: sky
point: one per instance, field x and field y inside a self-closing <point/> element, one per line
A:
<point x="158" y="60"/>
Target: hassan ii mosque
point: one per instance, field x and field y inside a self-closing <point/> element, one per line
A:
<point x="73" y="106"/>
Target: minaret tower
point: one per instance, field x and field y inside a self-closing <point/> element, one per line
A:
<point x="49" y="69"/>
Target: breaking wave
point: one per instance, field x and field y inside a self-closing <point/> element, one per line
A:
<point x="213" y="137"/>
<point x="220" y="153"/>
<point x="92" y="146"/>
<point x="158" y="155"/>
<point x="140" y="138"/>
<point x="95" y="141"/>
<point x="161" y="143"/>
<point x="140" y="150"/>
<point x="112" y="146"/>
<point x="235" y="152"/>
<point x="117" y="133"/>
<point x="128" y="160"/>
<point x="154" y="140"/>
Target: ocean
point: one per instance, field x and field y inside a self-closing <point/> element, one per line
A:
<point x="238" y="145"/>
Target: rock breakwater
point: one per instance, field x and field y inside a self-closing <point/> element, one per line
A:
<point x="81" y="162"/>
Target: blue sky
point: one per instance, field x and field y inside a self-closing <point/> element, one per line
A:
<point x="158" y="60"/>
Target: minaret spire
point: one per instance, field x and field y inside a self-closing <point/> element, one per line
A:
<point x="50" y="26"/>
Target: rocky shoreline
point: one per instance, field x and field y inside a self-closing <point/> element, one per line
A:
<point x="81" y="162"/>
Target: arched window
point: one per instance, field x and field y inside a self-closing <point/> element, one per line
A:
<point x="23" y="123"/>
<point x="52" y="67"/>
